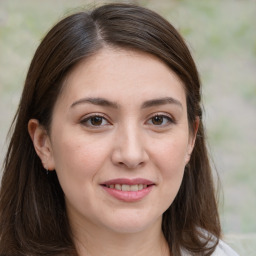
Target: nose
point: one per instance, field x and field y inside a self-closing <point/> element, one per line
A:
<point x="129" y="149"/>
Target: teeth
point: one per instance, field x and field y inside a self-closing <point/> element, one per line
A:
<point x="118" y="187"/>
<point x="134" y="188"/>
<point x="125" y="187"/>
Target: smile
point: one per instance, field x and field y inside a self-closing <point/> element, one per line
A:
<point x="126" y="187"/>
<point x="128" y="190"/>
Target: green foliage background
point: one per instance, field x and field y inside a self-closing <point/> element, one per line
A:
<point x="222" y="37"/>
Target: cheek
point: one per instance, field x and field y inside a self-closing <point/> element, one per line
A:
<point x="170" y="160"/>
<point x="78" y="159"/>
<point x="78" y="164"/>
<point x="170" y="155"/>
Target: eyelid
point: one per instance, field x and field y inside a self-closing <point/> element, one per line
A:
<point x="87" y="117"/>
<point x="164" y="115"/>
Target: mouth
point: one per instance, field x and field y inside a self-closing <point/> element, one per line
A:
<point x="126" y="187"/>
<point x="128" y="190"/>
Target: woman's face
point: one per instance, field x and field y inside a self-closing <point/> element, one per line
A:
<point x="120" y="141"/>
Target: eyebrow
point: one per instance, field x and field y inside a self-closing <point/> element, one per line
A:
<point x="96" y="101"/>
<point x="161" y="101"/>
<point x="146" y="104"/>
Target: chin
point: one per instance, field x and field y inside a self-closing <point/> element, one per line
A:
<point x="133" y="224"/>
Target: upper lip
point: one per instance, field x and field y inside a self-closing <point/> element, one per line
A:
<point x="126" y="181"/>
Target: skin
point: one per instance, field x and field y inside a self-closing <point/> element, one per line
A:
<point x="128" y="141"/>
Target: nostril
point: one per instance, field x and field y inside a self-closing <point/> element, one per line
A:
<point x="129" y="156"/>
<point x="130" y="165"/>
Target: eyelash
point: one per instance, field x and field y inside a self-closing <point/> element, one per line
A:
<point x="89" y="119"/>
<point x="167" y="118"/>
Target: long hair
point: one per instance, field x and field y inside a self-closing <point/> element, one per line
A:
<point x="33" y="218"/>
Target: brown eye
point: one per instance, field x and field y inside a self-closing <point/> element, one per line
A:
<point x="157" y="120"/>
<point x="160" y="120"/>
<point x="96" y="120"/>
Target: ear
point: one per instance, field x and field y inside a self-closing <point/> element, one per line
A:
<point x="42" y="143"/>
<point x="192" y="139"/>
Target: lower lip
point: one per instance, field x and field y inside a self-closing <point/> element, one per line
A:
<point x="128" y="196"/>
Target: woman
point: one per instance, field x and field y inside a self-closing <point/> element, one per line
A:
<point x="108" y="153"/>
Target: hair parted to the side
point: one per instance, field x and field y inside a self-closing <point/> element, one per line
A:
<point x="33" y="219"/>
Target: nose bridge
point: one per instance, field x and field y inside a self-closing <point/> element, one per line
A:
<point x="129" y="146"/>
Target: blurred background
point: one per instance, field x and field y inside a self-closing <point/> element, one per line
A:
<point x="221" y="35"/>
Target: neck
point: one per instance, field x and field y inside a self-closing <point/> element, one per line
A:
<point x="94" y="241"/>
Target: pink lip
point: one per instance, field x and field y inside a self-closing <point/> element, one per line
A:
<point x="128" y="196"/>
<point x="128" y="181"/>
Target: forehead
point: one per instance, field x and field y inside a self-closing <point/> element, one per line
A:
<point x="121" y="74"/>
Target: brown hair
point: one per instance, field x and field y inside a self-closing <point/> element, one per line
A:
<point x="33" y="219"/>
